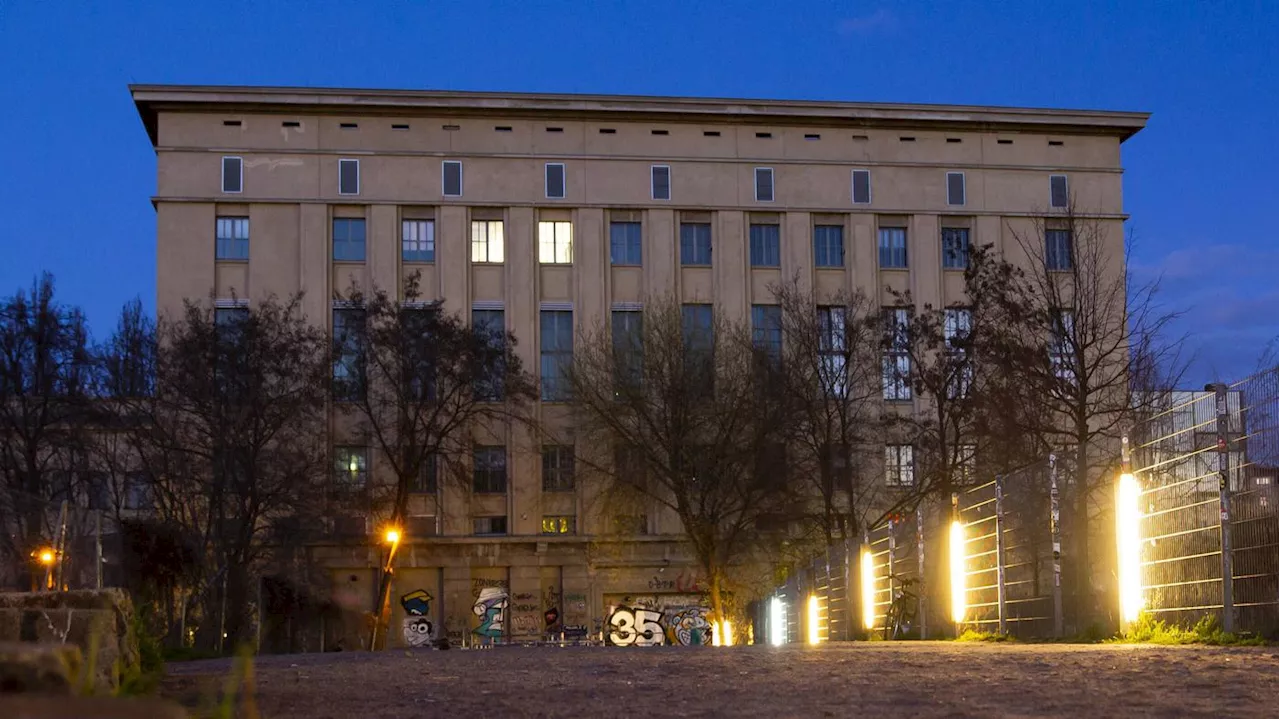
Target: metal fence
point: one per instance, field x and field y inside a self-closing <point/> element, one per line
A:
<point x="1206" y="467"/>
<point x="826" y="579"/>
<point x="897" y="568"/>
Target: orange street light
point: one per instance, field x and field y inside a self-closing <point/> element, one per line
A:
<point x="46" y="556"/>
<point x="393" y="536"/>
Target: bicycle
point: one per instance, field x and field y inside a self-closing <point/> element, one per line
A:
<point x="901" y="613"/>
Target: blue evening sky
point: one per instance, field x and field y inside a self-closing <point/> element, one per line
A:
<point x="1200" y="184"/>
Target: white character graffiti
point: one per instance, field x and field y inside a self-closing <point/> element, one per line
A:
<point x="635" y="627"/>
<point x="682" y="623"/>
<point x="491" y="607"/>
<point x="417" y="628"/>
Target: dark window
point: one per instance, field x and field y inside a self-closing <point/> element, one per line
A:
<point x="896" y="360"/>
<point x="557" y="468"/>
<point x="764" y="184"/>
<point x="555" y="181"/>
<point x="489" y="470"/>
<point x="893" y="248"/>
<point x="833" y="351"/>
<point x="490" y="326"/>
<point x="624" y="243"/>
<point x="1058" y="195"/>
<point x="1058" y="253"/>
<point x="828" y="246"/>
<point x="451" y="178"/>
<point x="490" y="525"/>
<point x="349" y="525"/>
<point x="348" y="177"/>
<point x="955" y="188"/>
<point x="232" y="241"/>
<point x="955" y="248"/>
<point x="1062" y="345"/>
<point x="957" y="323"/>
<point x="628" y="349"/>
<point x="419" y="353"/>
<point x="348" y="361"/>
<point x="695" y="243"/>
<point x="418" y="240"/>
<point x="766" y="330"/>
<point x="765" y="241"/>
<point x="137" y="491"/>
<point x="350" y="468"/>
<point x="427" y="480"/>
<point x="422" y="525"/>
<point x="899" y="465"/>
<point x="661" y="180"/>
<point x="697" y="327"/>
<point x="557" y="354"/>
<point x="861" y="187"/>
<point x="98" y="489"/>
<point x="348" y="239"/>
<point x="232" y="174"/>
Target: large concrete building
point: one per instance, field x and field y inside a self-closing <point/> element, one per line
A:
<point x="557" y="210"/>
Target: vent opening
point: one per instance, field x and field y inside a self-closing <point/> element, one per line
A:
<point x="291" y="123"/>
<point x="231" y="123"/>
<point x="608" y="131"/>
<point x="906" y="139"/>
<point x="954" y="140"/>
<point x="1004" y="142"/>
<point x="555" y="129"/>
<point x="711" y="133"/>
<point x="451" y="128"/>
<point x="659" y="132"/>
<point x="813" y="136"/>
<point x="502" y="128"/>
<point x="860" y="138"/>
<point x="764" y="135"/>
<point x="399" y="127"/>
<point x="1055" y="143"/>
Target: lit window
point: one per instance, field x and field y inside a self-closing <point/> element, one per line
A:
<point x="486" y="241"/>
<point x="350" y="467"/>
<point x="555" y="243"/>
<point x="899" y="465"/>
<point x="559" y="525"/>
<point x="896" y="359"/>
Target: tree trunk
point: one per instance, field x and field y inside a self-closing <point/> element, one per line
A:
<point x="1084" y="584"/>
<point x="717" y="603"/>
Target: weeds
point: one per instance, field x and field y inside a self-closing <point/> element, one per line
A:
<point x="1149" y="630"/>
<point x="971" y="635"/>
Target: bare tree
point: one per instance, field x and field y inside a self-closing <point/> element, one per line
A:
<point x="45" y="371"/>
<point x="688" y="407"/>
<point x="427" y="380"/>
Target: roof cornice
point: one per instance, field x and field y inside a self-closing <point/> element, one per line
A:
<point x="150" y="99"/>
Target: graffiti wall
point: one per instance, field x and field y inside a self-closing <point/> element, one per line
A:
<point x="490" y="604"/>
<point x="657" y="619"/>
<point x="417" y="627"/>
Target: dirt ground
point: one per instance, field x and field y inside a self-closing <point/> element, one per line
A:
<point x="918" y="679"/>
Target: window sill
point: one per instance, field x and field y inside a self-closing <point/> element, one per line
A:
<point x="558" y="490"/>
<point x="232" y="260"/>
<point x="555" y="264"/>
<point x="695" y="264"/>
<point x="625" y="264"/>
<point x="894" y="269"/>
<point x="417" y="262"/>
<point x="829" y="267"/>
<point x="487" y="264"/>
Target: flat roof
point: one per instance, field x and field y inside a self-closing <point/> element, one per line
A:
<point x="152" y="99"/>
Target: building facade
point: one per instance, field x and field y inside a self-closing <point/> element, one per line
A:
<point x="548" y="213"/>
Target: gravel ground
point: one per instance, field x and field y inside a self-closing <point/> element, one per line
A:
<point x="921" y="679"/>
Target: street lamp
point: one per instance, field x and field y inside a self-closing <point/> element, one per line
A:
<point x="391" y="535"/>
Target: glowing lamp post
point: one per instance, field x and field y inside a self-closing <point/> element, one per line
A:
<point x="1129" y="547"/>
<point x="47" y="557"/>
<point x="958" y="602"/>
<point x="777" y="622"/>
<point x="815" y="631"/>
<point x="868" y="582"/>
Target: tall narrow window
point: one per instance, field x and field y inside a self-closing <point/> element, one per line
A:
<point x="555" y="181"/>
<point x="348" y="362"/>
<point x="557" y="354"/>
<point x="896" y="363"/>
<point x="660" y="178"/>
<point x="489" y="469"/>
<point x="899" y="465"/>
<point x="695" y="243"/>
<point x="697" y="326"/>
<point x="1058" y="252"/>
<point x="893" y="248"/>
<point x="828" y="246"/>
<point x="955" y="248"/>
<point x="766" y="331"/>
<point x="486" y="241"/>
<point x="232" y="238"/>
<point x="557" y="468"/>
<point x="764" y="184"/>
<point x="833" y="351"/>
<point x="490" y="328"/>
<point x="1062" y="346"/>
<point x="957" y="323"/>
<point x="765" y="241"/>
<point x="232" y="175"/>
<point x="955" y="189"/>
<point x="420" y="357"/>
<point x="861" y="181"/>
<point x="624" y="243"/>
<point x="348" y="239"/>
<point x="348" y="177"/>
<point x="628" y="349"/>
<point x="418" y="240"/>
<point x="451" y="178"/>
<point x="555" y="243"/>
<point x="427" y="481"/>
<point x="1058" y="195"/>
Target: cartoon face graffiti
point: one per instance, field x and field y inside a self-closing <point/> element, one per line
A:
<point x="418" y="631"/>
<point x="682" y="622"/>
<point x="417" y="603"/>
<point x="491" y="607"/>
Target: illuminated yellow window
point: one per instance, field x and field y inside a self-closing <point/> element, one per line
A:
<point x="486" y="241"/>
<point x="555" y="243"/>
<point x="558" y="525"/>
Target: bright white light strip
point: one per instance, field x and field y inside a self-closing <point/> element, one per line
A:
<point x="958" y="607"/>
<point x="1129" y="546"/>
<point x="726" y="631"/>
<point x="815" y="632"/>
<point x="868" y="590"/>
<point x="777" y="622"/>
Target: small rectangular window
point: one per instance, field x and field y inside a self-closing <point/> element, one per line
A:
<point x="764" y="184"/>
<point x="659" y="132"/>
<point x="555" y="181"/>
<point x="427" y="481"/>
<point x="566" y="524"/>
<point x="859" y="138"/>
<point x="695" y="243"/>
<point x="232" y="175"/>
<point x="906" y="139"/>
<point x="232" y="238"/>
<point x="899" y="466"/>
<point x="450" y="128"/>
<point x="489" y="469"/>
<point x="400" y="127"/>
<point x="451" y="178"/>
<point x="231" y="123"/>
<point x="1004" y="142"/>
<point x="660" y="181"/>
<point x="954" y="140"/>
<point x="955" y="188"/>
<point x="348" y="239"/>
<point x="862" y="187"/>
<point x="555" y="242"/>
<point x="765" y="245"/>
<point x="711" y="133"/>
<point x="1055" y="143"/>
<point x="418" y="240"/>
<point x="348" y="125"/>
<point x="555" y="129"/>
<point x="893" y="248"/>
<point x="1058" y="254"/>
<point x="764" y="135"/>
<point x="624" y="243"/>
<point x="608" y="131"/>
<point x="813" y="136"/>
<point x="502" y="128"/>
<point x="1058" y="191"/>
<point x="487" y="241"/>
<point x="291" y="123"/>
<point x="350" y="467"/>
<point x="490" y="525"/>
<point x="348" y="177"/>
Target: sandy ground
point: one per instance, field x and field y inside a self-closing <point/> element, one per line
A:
<point x="919" y="679"/>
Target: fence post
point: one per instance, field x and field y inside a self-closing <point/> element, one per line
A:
<point x="921" y="602"/>
<point x="1055" y="538"/>
<point x="957" y="556"/>
<point x="1224" y="499"/>
<point x="893" y="549"/>
<point x="1000" y="591"/>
